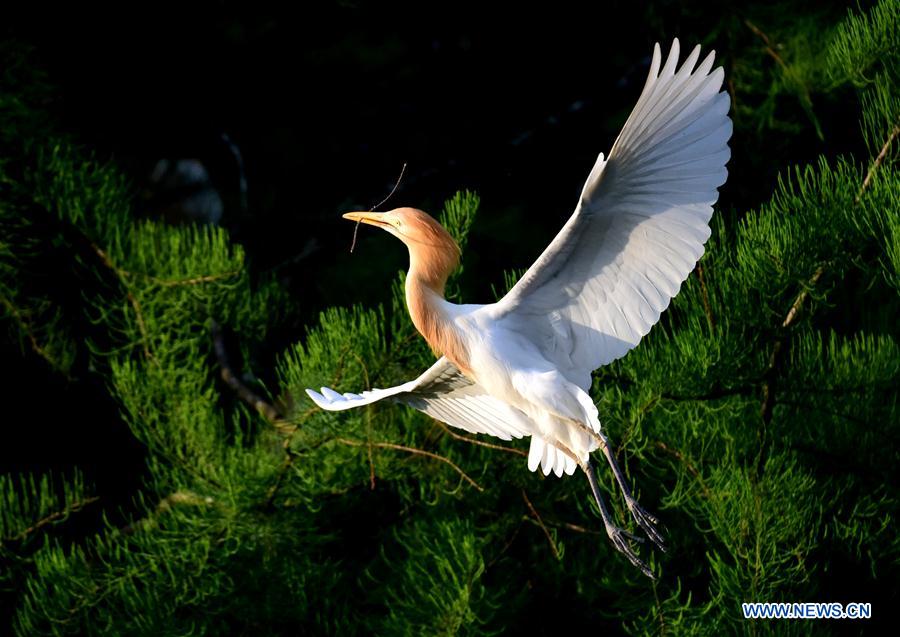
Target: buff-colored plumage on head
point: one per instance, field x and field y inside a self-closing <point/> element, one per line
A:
<point x="433" y="255"/>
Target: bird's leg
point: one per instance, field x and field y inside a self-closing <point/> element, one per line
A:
<point x="643" y="518"/>
<point x="616" y="535"/>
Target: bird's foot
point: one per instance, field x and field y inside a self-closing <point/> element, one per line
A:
<point x="619" y="538"/>
<point x="646" y="521"/>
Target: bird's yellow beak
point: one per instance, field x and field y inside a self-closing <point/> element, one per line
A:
<point x="370" y="218"/>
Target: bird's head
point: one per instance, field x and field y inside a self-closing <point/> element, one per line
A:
<point x="432" y="251"/>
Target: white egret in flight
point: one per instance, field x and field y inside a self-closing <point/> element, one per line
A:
<point x="522" y="366"/>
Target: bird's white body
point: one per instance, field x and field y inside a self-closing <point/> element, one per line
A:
<point x="522" y="366"/>
<point x="511" y="368"/>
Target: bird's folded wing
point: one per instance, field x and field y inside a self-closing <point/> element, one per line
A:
<point x="444" y="393"/>
<point x="640" y="225"/>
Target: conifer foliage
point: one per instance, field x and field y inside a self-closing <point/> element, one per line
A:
<point x="759" y="418"/>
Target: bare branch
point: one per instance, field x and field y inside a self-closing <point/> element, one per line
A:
<point x="506" y="546"/>
<point x="74" y="507"/>
<point x="413" y="450"/>
<point x="166" y="504"/>
<point x="768" y="401"/>
<point x="139" y="315"/>
<point x="268" y="411"/>
<point x="798" y="302"/>
<point x="480" y="443"/>
<point x="878" y="161"/>
<point x="197" y="280"/>
<point x="540" y="522"/>
<point x="577" y="528"/>
<point x="687" y="464"/>
<point x="769" y="48"/>
<point x="19" y="316"/>
<point x="288" y="461"/>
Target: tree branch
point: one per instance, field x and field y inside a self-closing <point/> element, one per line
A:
<point x="540" y="522"/>
<point x="576" y="527"/>
<point x="135" y="305"/>
<point x="769" y="384"/>
<point x="176" y="498"/>
<point x="769" y="49"/>
<point x="197" y="280"/>
<point x="480" y="443"/>
<point x="878" y="161"/>
<point x="19" y="317"/>
<point x="506" y="546"/>
<point x="413" y="450"/>
<point x="769" y="389"/>
<point x="288" y="461"/>
<point x="687" y="464"/>
<point x="267" y="410"/>
<point x="74" y="507"/>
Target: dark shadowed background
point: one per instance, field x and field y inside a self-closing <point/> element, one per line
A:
<point x="318" y="106"/>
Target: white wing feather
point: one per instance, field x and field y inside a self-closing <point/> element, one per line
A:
<point x="445" y="394"/>
<point x="639" y="228"/>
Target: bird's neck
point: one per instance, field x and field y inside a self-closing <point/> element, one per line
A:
<point x="433" y="315"/>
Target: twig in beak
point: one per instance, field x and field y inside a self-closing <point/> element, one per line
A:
<point x="355" y="230"/>
<point x="391" y="194"/>
<point x="396" y="185"/>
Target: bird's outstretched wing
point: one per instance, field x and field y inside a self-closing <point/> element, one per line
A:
<point x="639" y="227"/>
<point x="443" y="393"/>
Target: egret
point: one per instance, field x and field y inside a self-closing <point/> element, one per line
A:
<point x="522" y="366"/>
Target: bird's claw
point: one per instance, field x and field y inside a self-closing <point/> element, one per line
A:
<point x="647" y="522"/>
<point x="618" y="537"/>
